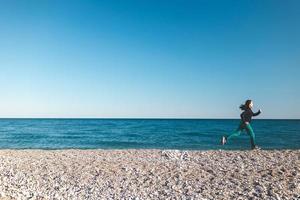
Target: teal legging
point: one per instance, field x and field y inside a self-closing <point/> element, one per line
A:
<point x="239" y="130"/>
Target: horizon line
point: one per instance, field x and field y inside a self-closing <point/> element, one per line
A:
<point x="144" y="118"/>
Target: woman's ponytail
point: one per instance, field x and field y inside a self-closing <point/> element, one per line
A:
<point x="243" y="107"/>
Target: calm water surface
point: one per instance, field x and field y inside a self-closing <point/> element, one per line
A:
<point x="143" y="133"/>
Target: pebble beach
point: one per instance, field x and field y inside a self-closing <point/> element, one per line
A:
<point x="149" y="174"/>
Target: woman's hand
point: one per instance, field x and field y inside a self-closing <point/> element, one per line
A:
<point x="246" y="123"/>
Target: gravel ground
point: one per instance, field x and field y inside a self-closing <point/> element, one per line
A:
<point x="149" y="174"/>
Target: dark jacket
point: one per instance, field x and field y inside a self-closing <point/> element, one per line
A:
<point x="247" y="115"/>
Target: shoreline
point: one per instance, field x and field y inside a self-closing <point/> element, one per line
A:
<point x="149" y="174"/>
<point x="145" y="149"/>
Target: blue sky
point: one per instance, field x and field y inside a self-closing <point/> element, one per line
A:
<point x="189" y="59"/>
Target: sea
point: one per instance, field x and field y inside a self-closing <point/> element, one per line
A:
<point x="182" y="134"/>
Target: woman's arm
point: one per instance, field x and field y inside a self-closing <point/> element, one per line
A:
<point x="257" y="113"/>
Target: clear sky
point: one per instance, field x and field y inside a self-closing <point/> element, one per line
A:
<point x="155" y="58"/>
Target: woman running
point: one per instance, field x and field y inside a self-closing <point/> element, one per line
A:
<point x="246" y="117"/>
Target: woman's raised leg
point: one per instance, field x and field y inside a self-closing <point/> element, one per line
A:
<point x="236" y="133"/>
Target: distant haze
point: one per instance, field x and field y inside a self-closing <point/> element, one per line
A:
<point x="150" y="59"/>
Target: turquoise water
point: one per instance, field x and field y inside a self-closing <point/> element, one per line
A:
<point x="143" y="133"/>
